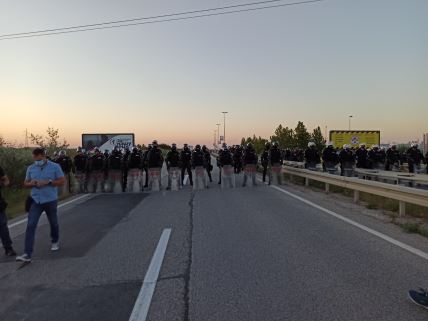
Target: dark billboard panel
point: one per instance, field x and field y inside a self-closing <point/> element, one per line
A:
<point x="107" y="141"/>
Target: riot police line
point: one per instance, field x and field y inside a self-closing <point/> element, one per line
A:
<point x="136" y="170"/>
<point x="345" y="160"/>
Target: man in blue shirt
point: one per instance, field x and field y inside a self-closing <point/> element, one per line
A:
<point x="43" y="177"/>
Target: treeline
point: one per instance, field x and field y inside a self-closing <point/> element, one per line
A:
<point x="286" y="137"/>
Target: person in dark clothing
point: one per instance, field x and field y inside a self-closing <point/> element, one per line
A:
<point x="392" y="158"/>
<point x="96" y="169"/>
<point x="172" y="160"/>
<point x="426" y="161"/>
<point x="414" y="157"/>
<point x="361" y="156"/>
<point x="4" y="230"/>
<point x="80" y="170"/>
<point x="347" y="160"/>
<point x="125" y="168"/>
<point x="197" y="157"/>
<point x="115" y="169"/>
<point x="225" y="159"/>
<point x="145" y="165"/>
<point x="265" y="160"/>
<point x="275" y="161"/>
<point x="237" y="159"/>
<point x="249" y="157"/>
<point x="376" y="157"/>
<point x="312" y="156"/>
<point x="186" y="164"/>
<point x="330" y="158"/>
<point x="155" y="161"/>
<point x="133" y="165"/>
<point x="207" y="161"/>
<point x="66" y="164"/>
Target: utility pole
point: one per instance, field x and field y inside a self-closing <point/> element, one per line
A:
<point x="26" y="138"/>
<point x="224" y="125"/>
<point x="349" y="118"/>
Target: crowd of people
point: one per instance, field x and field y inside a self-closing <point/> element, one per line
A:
<point x="106" y="168"/>
<point x="348" y="158"/>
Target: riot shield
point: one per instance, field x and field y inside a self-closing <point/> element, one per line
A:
<point x="276" y="174"/>
<point x="115" y="181"/>
<point x="227" y="177"/>
<point x="174" y="178"/>
<point x="199" y="178"/>
<point x="250" y="171"/>
<point x="134" y="180"/>
<point x="80" y="182"/>
<point x="155" y="179"/>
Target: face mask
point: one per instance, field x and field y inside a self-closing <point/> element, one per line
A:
<point x="39" y="162"/>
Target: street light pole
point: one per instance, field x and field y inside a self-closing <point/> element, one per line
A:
<point x="224" y="126"/>
<point x="349" y="118"/>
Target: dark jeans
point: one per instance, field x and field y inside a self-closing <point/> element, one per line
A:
<point x="189" y="172"/>
<point x="34" y="214"/>
<point x="4" y="231"/>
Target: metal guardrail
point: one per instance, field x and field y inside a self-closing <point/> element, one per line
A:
<point x="402" y="194"/>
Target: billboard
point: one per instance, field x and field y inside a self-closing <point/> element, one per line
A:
<point x="354" y="137"/>
<point x="107" y="141"/>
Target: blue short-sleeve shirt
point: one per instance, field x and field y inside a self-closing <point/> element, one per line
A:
<point x="49" y="171"/>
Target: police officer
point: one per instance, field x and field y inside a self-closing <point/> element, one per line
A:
<point x="237" y="159"/>
<point x="361" y="156"/>
<point x="376" y="157"/>
<point x="265" y="160"/>
<point x="66" y="165"/>
<point x="172" y="160"/>
<point x="414" y="157"/>
<point x="80" y="169"/>
<point x="346" y="158"/>
<point x="96" y="169"/>
<point x="312" y="156"/>
<point x="275" y="159"/>
<point x="146" y="166"/>
<point x="329" y="157"/>
<point x="186" y="164"/>
<point x="249" y="158"/>
<point x="197" y="157"/>
<point x="115" y="168"/>
<point x="126" y="155"/>
<point x="392" y="157"/>
<point x="207" y="161"/>
<point x="225" y="159"/>
<point x="155" y="158"/>
<point x="134" y="162"/>
<point x="426" y="161"/>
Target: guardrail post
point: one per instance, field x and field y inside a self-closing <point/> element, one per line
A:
<point x="401" y="208"/>
<point x="327" y="188"/>
<point x="356" y="196"/>
<point x="306" y="181"/>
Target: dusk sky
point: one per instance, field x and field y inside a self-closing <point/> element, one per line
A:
<point x="317" y="63"/>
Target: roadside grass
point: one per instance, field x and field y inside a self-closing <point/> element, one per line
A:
<point x="374" y="202"/>
<point x="16" y="200"/>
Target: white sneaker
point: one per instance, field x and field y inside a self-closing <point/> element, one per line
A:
<point x="55" y="246"/>
<point x="23" y="258"/>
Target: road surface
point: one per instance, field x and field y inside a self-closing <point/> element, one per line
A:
<point x="238" y="254"/>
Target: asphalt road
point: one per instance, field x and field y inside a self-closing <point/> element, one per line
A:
<point x="236" y="254"/>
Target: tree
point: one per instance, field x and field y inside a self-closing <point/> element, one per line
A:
<point x="51" y="141"/>
<point x="3" y="141"/>
<point x="318" y="138"/>
<point x="284" y="137"/>
<point x="258" y="143"/>
<point x="301" y="136"/>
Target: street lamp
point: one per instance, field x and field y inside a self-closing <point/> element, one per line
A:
<point x="224" y="126"/>
<point x="349" y="119"/>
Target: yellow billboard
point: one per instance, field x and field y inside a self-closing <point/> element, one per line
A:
<point x="354" y="137"/>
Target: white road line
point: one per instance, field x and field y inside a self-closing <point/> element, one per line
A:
<point x="358" y="225"/>
<point x="144" y="299"/>
<point x="59" y="206"/>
